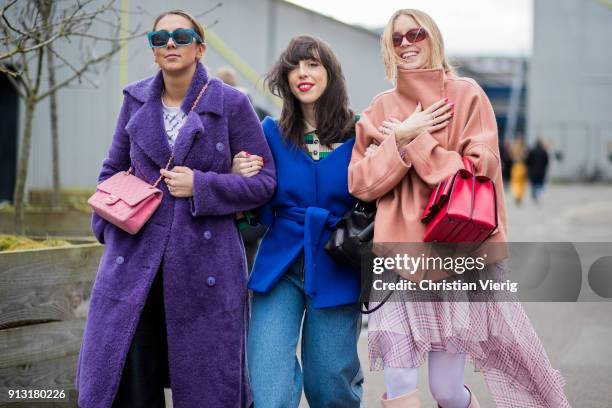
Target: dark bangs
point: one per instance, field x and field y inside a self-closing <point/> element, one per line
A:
<point x="302" y="50"/>
<point x="335" y="120"/>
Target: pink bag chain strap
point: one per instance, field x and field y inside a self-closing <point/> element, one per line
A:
<point x="193" y="106"/>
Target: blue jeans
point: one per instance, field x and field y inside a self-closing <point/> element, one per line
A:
<point x="330" y="373"/>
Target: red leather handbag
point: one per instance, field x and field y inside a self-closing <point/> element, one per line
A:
<point x="463" y="208"/>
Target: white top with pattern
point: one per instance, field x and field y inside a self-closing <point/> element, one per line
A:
<point x="174" y="118"/>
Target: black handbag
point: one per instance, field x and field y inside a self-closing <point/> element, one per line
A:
<point x="351" y="241"/>
<point x="353" y="234"/>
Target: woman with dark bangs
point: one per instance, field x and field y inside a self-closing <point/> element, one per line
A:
<point x="295" y="284"/>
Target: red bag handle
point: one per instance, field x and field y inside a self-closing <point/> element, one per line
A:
<point x="467" y="164"/>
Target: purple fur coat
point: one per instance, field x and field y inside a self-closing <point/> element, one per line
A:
<point x="195" y="241"/>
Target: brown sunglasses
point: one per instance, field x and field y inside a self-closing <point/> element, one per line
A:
<point x="413" y="36"/>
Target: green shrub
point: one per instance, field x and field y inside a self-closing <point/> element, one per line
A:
<point x="19" y="242"/>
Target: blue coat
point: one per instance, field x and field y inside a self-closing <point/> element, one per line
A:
<point x="311" y="197"/>
<point x="195" y="240"/>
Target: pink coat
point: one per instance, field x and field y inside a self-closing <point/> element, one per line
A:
<point x="514" y="363"/>
<point x="403" y="186"/>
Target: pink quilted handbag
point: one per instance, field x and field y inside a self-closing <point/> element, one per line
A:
<point x="126" y="201"/>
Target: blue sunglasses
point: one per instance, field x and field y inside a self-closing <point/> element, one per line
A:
<point x="181" y="37"/>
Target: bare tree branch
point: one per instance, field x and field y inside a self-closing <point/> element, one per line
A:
<point x="39" y="45"/>
<point x="79" y="72"/>
<point x="39" y="64"/>
<point x="67" y="63"/>
<point x="15" y="81"/>
<point x="100" y="38"/>
<point x="25" y="74"/>
<point x="7" y="22"/>
<point x="69" y="25"/>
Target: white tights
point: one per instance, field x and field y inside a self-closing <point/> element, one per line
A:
<point x="445" y="380"/>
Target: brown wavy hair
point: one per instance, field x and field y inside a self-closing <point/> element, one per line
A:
<point x="335" y="120"/>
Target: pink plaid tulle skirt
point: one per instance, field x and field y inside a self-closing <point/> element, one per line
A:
<point x="497" y="336"/>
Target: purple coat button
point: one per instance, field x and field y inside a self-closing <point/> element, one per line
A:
<point x="220" y="147"/>
<point x="119" y="260"/>
<point x="207" y="234"/>
<point x="211" y="281"/>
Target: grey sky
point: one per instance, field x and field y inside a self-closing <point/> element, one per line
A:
<point x="469" y="27"/>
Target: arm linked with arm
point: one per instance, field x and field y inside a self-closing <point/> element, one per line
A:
<point x="226" y="193"/>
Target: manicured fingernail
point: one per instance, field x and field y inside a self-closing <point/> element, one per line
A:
<point x="445" y="99"/>
<point x="247" y="154"/>
<point x="452" y="114"/>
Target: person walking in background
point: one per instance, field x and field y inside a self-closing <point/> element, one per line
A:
<point x="518" y="171"/>
<point x="506" y="162"/>
<point x="169" y="305"/>
<point x="537" y="165"/>
<point x="409" y="140"/>
<point x="229" y="76"/>
<point x="296" y="285"/>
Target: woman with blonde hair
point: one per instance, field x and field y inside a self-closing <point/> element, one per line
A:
<point x="169" y="304"/>
<point x="409" y="139"/>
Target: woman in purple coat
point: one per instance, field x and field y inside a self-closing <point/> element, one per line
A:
<point x="169" y="304"/>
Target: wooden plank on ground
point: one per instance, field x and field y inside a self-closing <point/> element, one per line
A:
<point x="40" y="357"/>
<point x="32" y="344"/>
<point x="46" y="284"/>
<point x="48" y="222"/>
<point x="55" y="375"/>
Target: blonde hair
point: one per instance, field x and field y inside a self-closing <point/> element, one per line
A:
<point x="437" y="57"/>
<point x="197" y="26"/>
